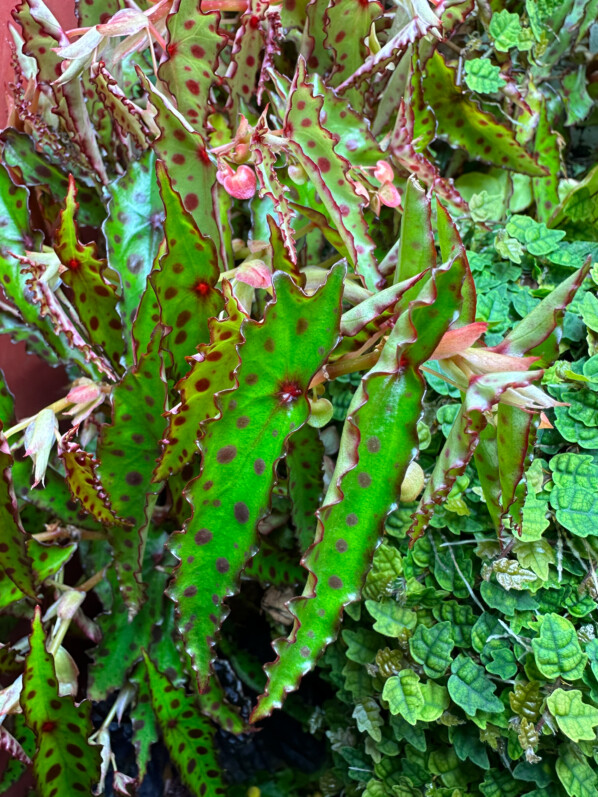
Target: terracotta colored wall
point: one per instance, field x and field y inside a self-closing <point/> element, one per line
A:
<point x="33" y="383"/>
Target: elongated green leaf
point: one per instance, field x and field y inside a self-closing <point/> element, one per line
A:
<point x="240" y="451"/>
<point x="64" y="762"/>
<point x="133" y="231"/>
<point x="188" y="736"/>
<point x="451" y="247"/>
<point x="143" y="719"/>
<point x="348" y="25"/>
<point x="471" y="689"/>
<point x="540" y="331"/>
<point x="212" y="373"/>
<point x="185" y="283"/>
<point x="85" y="486"/>
<point x="19" y="151"/>
<point x="556" y="649"/>
<point x="304" y="464"/>
<point x="93" y="297"/>
<point x="546" y="188"/>
<point x="464" y="124"/>
<point x="313" y="146"/>
<point x="194" y="45"/>
<point x="373" y="458"/>
<point x="131" y="440"/>
<point x="188" y="163"/>
<point x="483" y="393"/>
<point x="417" y="251"/>
<point x="123" y="640"/>
<point x="15" y="563"/>
<point x="245" y="55"/>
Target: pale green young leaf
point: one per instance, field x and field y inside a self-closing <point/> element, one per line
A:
<point x="575" y="773"/>
<point x="404" y="695"/>
<point x="557" y="651"/>
<point x="432" y="648"/>
<point x="483" y="76"/>
<point x="575" y="718"/>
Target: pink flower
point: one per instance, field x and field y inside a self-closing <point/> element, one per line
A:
<point x="383" y="172"/>
<point x="240" y="184"/>
<point x="389" y="195"/>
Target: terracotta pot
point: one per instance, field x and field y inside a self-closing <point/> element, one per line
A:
<point x="33" y="383"/>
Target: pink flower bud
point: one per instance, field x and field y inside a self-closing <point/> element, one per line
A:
<point x="240" y="184"/>
<point x="255" y="273"/>
<point x="389" y="195"/>
<point x="383" y="172"/>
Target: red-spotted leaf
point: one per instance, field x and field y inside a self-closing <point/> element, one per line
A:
<point x="85" y="486"/>
<point x="42" y="33"/>
<point x="212" y="373"/>
<point x="371" y="310"/>
<point x="305" y="452"/>
<point x="243" y="68"/>
<point x="547" y="148"/>
<point x="483" y="394"/>
<point x="348" y="26"/>
<point x="143" y="719"/>
<point x="405" y="149"/>
<point x="46" y="562"/>
<point x="122" y="111"/>
<point x="64" y="762"/>
<point x="515" y="435"/>
<point x="464" y="124"/>
<point x="270" y="186"/>
<point x="133" y="232"/>
<point x="418" y="21"/>
<point x="15" y="562"/>
<point x="282" y="259"/>
<point x="94" y="297"/>
<point x="188" y="736"/>
<point x="185" y="283"/>
<point x="279" y="357"/>
<point x="127" y="453"/>
<point x="376" y="450"/>
<point x="40" y="293"/>
<point x="189" y="166"/>
<point x="194" y="46"/>
<point x="312" y="144"/>
<point x="314" y="49"/>
<point x="213" y="704"/>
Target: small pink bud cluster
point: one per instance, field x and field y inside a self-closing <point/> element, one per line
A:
<point x="387" y="193"/>
<point x="240" y="184"/>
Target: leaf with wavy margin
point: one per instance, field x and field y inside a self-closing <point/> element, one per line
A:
<point x="93" y="297"/>
<point x="305" y="452"/>
<point x="373" y="458"/>
<point x="127" y="452"/>
<point x="313" y="146"/>
<point x="213" y="367"/>
<point x="185" y="283"/>
<point x="194" y="46"/>
<point x="83" y="482"/>
<point x="15" y="560"/>
<point x="189" y="165"/>
<point x="64" y="762"/>
<point x="188" y="736"/>
<point x="276" y="363"/>
<point x="463" y="123"/>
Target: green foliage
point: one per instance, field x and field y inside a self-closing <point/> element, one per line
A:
<point x="321" y="279"/>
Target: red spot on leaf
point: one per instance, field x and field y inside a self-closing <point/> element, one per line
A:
<point x="289" y="391"/>
<point x="202" y="288"/>
<point x="48" y="726"/>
